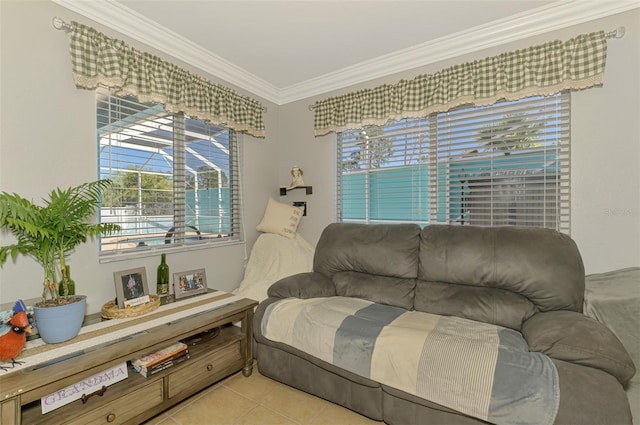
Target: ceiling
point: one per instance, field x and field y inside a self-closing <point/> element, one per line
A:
<point x="290" y="50"/>
<point x="288" y="42"/>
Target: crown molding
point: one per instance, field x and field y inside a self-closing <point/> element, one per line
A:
<point x="534" y="22"/>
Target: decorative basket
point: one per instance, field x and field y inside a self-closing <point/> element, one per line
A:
<point x="110" y="309"/>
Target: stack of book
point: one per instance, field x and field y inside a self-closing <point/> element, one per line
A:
<point x="161" y="359"/>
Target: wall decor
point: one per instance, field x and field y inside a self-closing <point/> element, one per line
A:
<point x="131" y="287"/>
<point x="191" y="282"/>
<point x="296" y="174"/>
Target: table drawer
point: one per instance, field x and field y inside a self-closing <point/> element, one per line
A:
<point x="202" y="370"/>
<point x="124" y="408"/>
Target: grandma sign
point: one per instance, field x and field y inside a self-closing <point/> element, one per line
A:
<point x="85" y="387"/>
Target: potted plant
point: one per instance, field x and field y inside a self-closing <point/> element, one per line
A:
<point x="48" y="234"/>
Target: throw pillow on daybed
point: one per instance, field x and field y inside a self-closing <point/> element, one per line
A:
<point x="281" y="219"/>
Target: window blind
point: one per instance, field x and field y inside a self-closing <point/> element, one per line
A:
<point x="173" y="176"/>
<point x="504" y="164"/>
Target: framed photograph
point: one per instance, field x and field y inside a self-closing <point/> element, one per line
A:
<point x="131" y="287"/>
<point x="189" y="283"/>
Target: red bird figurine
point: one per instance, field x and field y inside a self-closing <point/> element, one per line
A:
<point x="13" y="341"/>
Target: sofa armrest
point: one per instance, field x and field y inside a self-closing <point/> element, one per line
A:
<point x="579" y="339"/>
<point x="303" y="285"/>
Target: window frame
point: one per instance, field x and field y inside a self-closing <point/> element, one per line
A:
<point x="182" y="153"/>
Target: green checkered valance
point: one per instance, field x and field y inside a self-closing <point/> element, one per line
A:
<point x="539" y="70"/>
<point x="98" y="59"/>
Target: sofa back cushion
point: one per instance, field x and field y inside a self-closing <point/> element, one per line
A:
<point x="395" y="291"/>
<point x="377" y="249"/>
<point x="483" y="304"/>
<point x="541" y="265"/>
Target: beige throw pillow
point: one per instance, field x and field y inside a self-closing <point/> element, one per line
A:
<point x="281" y="219"/>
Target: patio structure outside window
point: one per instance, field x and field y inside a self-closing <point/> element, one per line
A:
<point x="174" y="178"/>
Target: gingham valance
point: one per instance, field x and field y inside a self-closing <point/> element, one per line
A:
<point x="98" y="59"/>
<point x="539" y="70"/>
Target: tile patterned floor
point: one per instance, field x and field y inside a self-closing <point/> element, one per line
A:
<point x="257" y="400"/>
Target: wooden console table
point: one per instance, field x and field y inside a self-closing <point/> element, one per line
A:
<point x="51" y="367"/>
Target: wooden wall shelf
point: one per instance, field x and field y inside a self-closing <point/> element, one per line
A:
<point x="308" y="189"/>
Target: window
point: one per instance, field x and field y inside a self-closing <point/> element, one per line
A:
<point x="498" y="165"/>
<point x="174" y="178"/>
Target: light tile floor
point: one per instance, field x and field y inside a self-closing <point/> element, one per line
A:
<point x="257" y="400"/>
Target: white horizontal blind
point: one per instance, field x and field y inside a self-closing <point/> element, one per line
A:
<point x="171" y="175"/>
<point x="504" y="164"/>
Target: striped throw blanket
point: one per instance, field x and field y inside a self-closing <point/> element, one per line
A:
<point x="478" y="369"/>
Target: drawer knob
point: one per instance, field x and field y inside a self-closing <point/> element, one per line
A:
<point x="209" y="367"/>
<point x="111" y="417"/>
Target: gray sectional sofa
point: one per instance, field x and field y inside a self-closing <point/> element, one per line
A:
<point x="524" y="287"/>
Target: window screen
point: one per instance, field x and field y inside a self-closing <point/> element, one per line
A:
<point x="504" y="164"/>
<point x="174" y="178"/>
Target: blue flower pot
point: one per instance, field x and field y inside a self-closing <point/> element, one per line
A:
<point x="60" y="323"/>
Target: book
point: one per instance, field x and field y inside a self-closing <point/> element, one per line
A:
<point x="146" y="372"/>
<point x="159" y="356"/>
<point x="183" y="355"/>
<point x="147" y="369"/>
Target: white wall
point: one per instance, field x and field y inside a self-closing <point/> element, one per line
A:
<point x="605" y="200"/>
<point x="605" y="207"/>
<point x="47" y="139"/>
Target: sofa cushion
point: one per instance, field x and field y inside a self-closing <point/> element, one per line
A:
<point x="379" y="249"/>
<point x="303" y="285"/>
<point x="393" y="291"/>
<point x="579" y="339"/>
<point x="541" y="264"/>
<point x="489" y="305"/>
<point x="472" y="367"/>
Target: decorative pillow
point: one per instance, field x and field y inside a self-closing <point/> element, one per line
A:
<point x="281" y="219"/>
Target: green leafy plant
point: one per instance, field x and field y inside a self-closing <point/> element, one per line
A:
<point x="49" y="233"/>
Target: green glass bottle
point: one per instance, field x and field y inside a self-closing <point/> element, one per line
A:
<point x="162" y="280"/>
<point x="71" y="285"/>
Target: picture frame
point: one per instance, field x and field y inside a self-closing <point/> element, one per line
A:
<point x="188" y="283"/>
<point x="131" y="287"/>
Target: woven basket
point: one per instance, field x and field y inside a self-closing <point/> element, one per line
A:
<point x="110" y="310"/>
